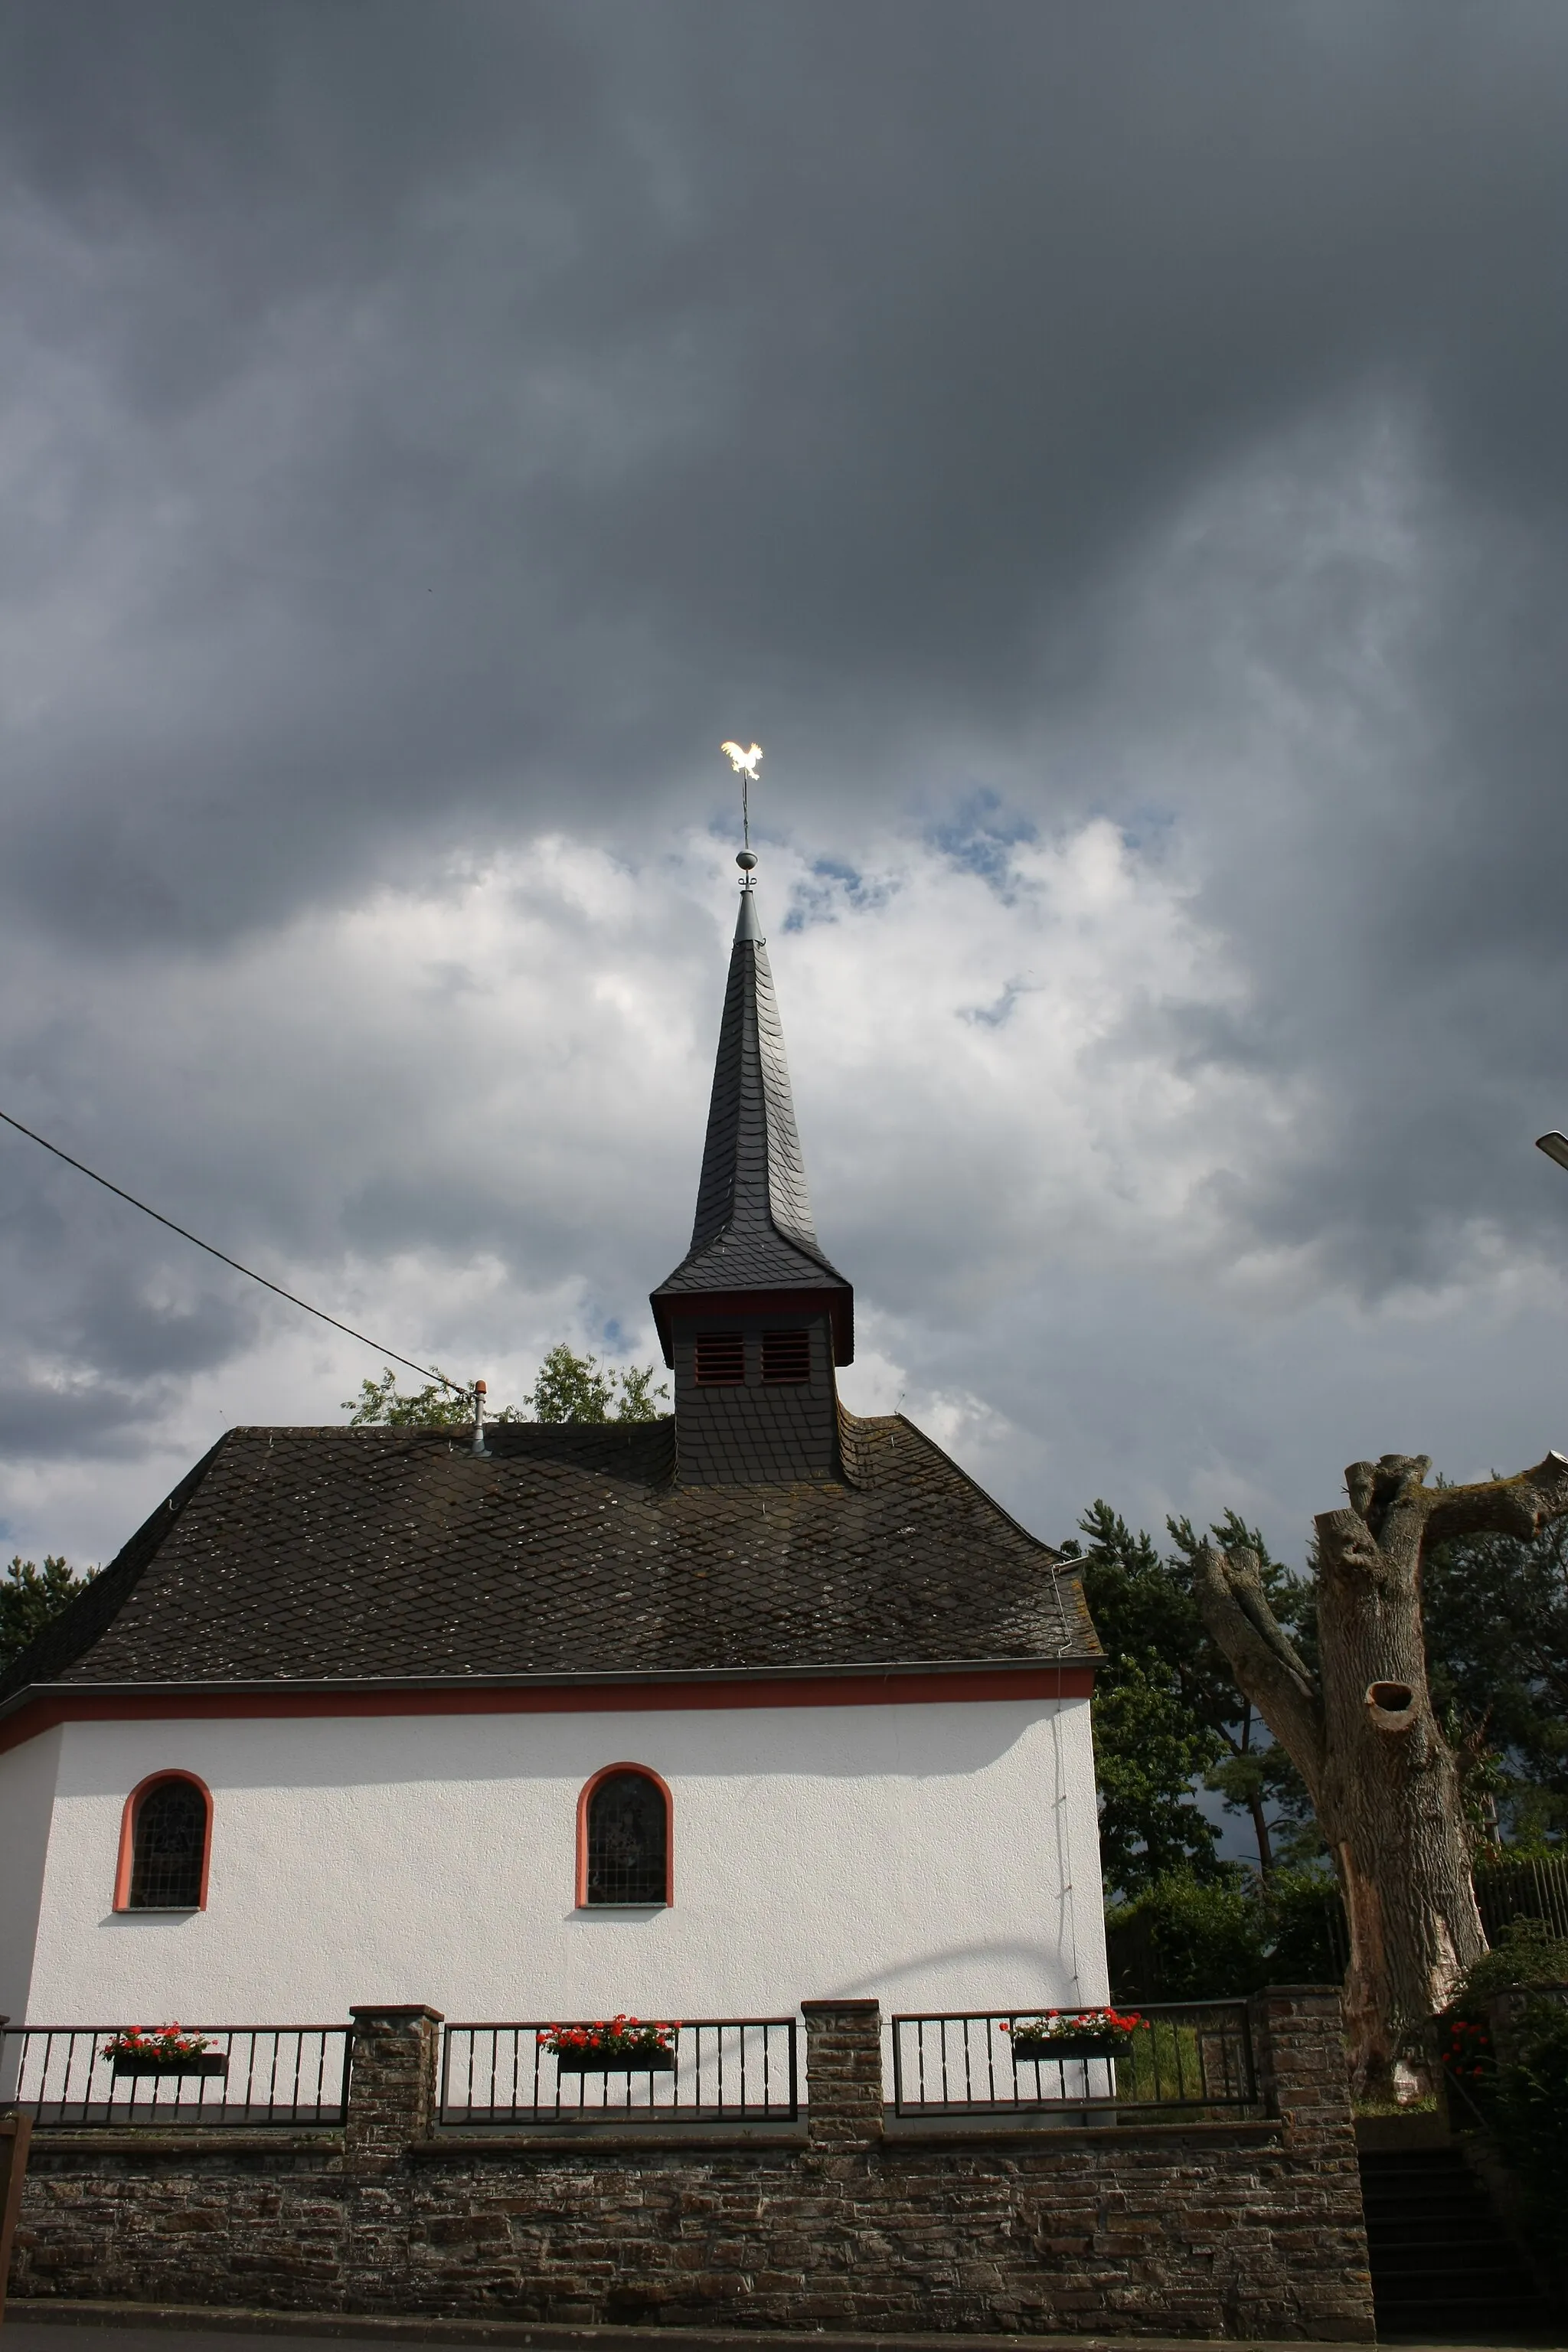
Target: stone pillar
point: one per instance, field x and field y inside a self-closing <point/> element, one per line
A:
<point x="1303" y="2067"/>
<point x="391" y="2082"/>
<point x="844" y="2072"/>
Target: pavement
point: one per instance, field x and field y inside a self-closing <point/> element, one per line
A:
<point x="32" y="2327"/>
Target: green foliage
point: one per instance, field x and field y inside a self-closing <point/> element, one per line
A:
<point x="1222" y="1936"/>
<point x="569" y="1388"/>
<point x="1305" y="1936"/>
<point x="1526" y="1954"/>
<point x="579" y="1387"/>
<point x="381" y="1403"/>
<point x="1197" y="1939"/>
<point x="1495" y="1615"/>
<point x="1150" y="1745"/>
<point x="1168" y="1714"/>
<point x="1529" y="2115"/>
<point x="1148" y="1753"/>
<point x="29" y="1596"/>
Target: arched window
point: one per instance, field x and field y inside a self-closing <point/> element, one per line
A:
<point x="163" y="1845"/>
<point x="623" y="1837"/>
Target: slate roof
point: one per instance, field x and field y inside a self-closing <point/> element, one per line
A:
<point x="753" y="1228"/>
<point x="344" y="1555"/>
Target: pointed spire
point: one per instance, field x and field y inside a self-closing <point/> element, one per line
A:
<point x="753" y="1230"/>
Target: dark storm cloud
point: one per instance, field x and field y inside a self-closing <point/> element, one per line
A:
<point x="485" y="395"/>
<point x="423" y="426"/>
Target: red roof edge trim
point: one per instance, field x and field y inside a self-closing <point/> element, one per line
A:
<point x="935" y="1685"/>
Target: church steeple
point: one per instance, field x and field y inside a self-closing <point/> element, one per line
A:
<point x="754" y="1318"/>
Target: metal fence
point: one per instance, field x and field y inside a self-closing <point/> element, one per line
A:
<point x="733" y="2070"/>
<point x="1535" y="1889"/>
<point x="248" y="2074"/>
<point x="1193" y="2055"/>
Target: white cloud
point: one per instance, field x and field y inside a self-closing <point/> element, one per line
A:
<point x="468" y="1120"/>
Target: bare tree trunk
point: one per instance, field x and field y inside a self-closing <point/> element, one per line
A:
<point x="1260" y="1832"/>
<point x="1383" y="1778"/>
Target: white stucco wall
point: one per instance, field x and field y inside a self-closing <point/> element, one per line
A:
<point x="27" y="1777"/>
<point x="938" y="1855"/>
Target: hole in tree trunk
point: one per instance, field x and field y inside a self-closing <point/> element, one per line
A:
<point x="1393" y="1701"/>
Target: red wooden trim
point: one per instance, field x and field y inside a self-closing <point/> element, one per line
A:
<point x="127" y="1860"/>
<point x="934" y="1684"/>
<point x="586" y="1792"/>
<point x="716" y="1306"/>
<point x="689" y="1306"/>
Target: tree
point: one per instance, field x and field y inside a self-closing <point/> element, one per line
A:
<point x="1150" y="1748"/>
<point x="1362" y="1730"/>
<point x="30" y="1596"/>
<point x="382" y="1403"/>
<point x="1496" y="1616"/>
<point x="1168" y="1716"/>
<point x="578" y="1388"/>
<point x="569" y="1388"/>
<point x="1254" y="1773"/>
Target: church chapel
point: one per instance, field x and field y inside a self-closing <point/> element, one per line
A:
<point x="761" y="1702"/>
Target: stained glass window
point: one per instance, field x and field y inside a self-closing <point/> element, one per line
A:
<point x="628" y="1834"/>
<point x="169" y="1839"/>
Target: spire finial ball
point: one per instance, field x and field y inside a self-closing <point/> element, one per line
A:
<point x="745" y="859"/>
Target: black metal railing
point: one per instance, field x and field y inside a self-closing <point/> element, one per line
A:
<point x="1533" y="1889"/>
<point x="247" y="2074"/>
<point x="731" y="2069"/>
<point x="1184" y="2056"/>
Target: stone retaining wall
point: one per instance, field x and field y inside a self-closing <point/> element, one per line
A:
<point x="849" y="2223"/>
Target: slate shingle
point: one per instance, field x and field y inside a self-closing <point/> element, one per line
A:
<point x="389" y="1554"/>
<point x="752" y="1229"/>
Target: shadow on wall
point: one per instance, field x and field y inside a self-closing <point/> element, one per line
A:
<point x="973" y="1738"/>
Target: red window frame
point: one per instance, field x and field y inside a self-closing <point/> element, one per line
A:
<point x="127" y="1861"/>
<point x="585" y="1798"/>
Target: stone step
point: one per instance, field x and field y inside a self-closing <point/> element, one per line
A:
<point x="1442" y="2263"/>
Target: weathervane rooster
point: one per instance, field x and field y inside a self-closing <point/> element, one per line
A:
<point x="745" y="761"/>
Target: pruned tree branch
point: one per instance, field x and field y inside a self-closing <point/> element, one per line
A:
<point x="1520" y="1505"/>
<point x="1265" y="1661"/>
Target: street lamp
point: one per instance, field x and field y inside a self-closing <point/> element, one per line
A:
<point x="1555" y="1146"/>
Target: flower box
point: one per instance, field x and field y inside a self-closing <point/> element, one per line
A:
<point x="1074" y="2033"/>
<point x="1030" y="2049"/>
<point x="155" y="2062"/>
<point x="645" y="2058"/>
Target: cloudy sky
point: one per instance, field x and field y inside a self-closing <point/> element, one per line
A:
<point x="1114" y="457"/>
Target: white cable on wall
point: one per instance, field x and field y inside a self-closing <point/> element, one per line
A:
<point x="1064" y="1855"/>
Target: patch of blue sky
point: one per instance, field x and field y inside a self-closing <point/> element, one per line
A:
<point x="1147" y="832"/>
<point x="997" y="1014"/>
<point x="832" y="884"/>
<point x="980" y="835"/>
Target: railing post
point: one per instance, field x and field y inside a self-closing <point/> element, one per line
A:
<point x="16" y="2131"/>
<point x="844" y="2072"/>
<point x="392" y="2082"/>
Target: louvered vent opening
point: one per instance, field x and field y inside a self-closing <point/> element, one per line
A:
<point x="720" y="1359"/>
<point x="786" y="1355"/>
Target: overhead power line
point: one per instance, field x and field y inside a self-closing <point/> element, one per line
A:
<point x="157" y="1215"/>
